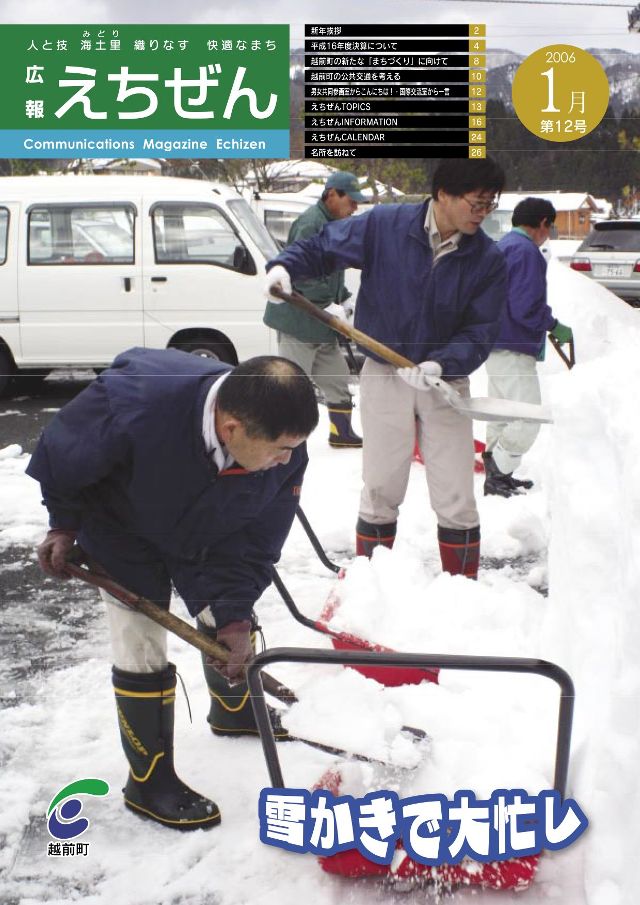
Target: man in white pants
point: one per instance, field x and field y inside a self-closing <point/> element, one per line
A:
<point x="171" y="469"/>
<point x="432" y="288"/>
<point x="511" y="366"/>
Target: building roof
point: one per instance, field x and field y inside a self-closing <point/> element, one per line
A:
<point x="562" y="201"/>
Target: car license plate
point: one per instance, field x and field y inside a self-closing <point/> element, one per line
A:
<point x="612" y="270"/>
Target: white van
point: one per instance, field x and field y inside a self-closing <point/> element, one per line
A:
<point x="91" y="265"/>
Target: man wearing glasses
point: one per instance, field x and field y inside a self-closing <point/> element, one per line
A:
<point x="433" y="287"/>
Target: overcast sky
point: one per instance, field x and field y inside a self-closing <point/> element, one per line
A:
<point x="512" y="25"/>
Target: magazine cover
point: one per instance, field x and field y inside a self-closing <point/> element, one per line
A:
<point x="318" y="452"/>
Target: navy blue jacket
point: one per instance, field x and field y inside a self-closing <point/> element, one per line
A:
<point x="448" y="313"/>
<point x="125" y="465"/>
<point x="527" y="318"/>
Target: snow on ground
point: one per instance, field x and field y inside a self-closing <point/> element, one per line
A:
<point x="488" y="730"/>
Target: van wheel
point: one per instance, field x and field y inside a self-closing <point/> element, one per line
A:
<point x="207" y="348"/>
<point x="7" y="370"/>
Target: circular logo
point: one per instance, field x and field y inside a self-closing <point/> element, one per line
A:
<point x="560" y="93"/>
<point x="63" y="821"/>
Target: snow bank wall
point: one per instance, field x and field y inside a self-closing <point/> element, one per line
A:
<point x="593" y="622"/>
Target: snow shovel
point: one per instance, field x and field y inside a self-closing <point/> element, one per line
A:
<point x="346" y="640"/>
<point x="479" y="408"/>
<point x="208" y="646"/>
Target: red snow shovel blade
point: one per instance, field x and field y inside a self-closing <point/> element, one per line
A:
<point x="516" y="873"/>
<point x="391" y="676"/>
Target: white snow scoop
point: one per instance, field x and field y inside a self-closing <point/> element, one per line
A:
<point x="483" y="408"/>
<point x="488" y="408"/>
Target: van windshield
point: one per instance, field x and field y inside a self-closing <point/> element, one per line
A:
<point x="253" y="226"/>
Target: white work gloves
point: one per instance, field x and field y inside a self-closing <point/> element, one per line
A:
<point x="422" y="376"/>
<point x="337" y="311"/>
<point x="277" y="277"/>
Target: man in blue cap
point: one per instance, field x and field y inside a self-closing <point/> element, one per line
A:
<point x="307" y="342"/>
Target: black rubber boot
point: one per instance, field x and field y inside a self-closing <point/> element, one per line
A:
<point x="370" y="536"/>
<point x="231" y="713"/>
<point x="146" y="704"/>
<point x="341" y="434"/>
<point x="522" y="482"/>
<point x="460" y="550"/>
<point x="497" y="483"/>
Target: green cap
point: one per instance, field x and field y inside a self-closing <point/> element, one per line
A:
<point x="346" y="182"/>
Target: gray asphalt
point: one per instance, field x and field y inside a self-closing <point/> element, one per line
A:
<point x="44" y="624"/>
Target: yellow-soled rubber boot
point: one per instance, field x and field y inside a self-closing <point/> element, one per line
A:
<point x="146" y="705"/>
<point x="231" y="713"/>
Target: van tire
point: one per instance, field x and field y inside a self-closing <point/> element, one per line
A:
<point x="7" y="370"/>
<point x="208" y="348"/>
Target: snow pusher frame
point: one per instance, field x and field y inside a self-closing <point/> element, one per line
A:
<point x="513" y="873"/>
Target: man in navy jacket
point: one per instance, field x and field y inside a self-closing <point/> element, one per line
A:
<point x="432" y="288"/>
<point x="175" y="469"/>
<point x="527" y="319"/>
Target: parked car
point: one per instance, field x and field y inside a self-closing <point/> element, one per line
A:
<point x="611" y="255"/>
<point x="91" y="265"/>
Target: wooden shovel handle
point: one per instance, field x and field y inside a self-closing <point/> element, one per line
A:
<point x="319" y="314"/>
<point x="173" y="624"/>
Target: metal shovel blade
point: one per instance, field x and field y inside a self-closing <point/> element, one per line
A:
<point x="488" y="408"/>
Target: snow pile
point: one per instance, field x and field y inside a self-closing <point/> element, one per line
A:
<point x="23" y="521"/>
<point x="594" y="622"/>
<point x="603" y="324"/>
<point x="406" y="608"/>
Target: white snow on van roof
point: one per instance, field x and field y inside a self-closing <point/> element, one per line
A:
<point x="29" y="188"/>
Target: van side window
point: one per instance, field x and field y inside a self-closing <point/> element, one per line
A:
<point x="4" y="232"/>
<point x="83" y="234"/>
<point x="197" y="234"/>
